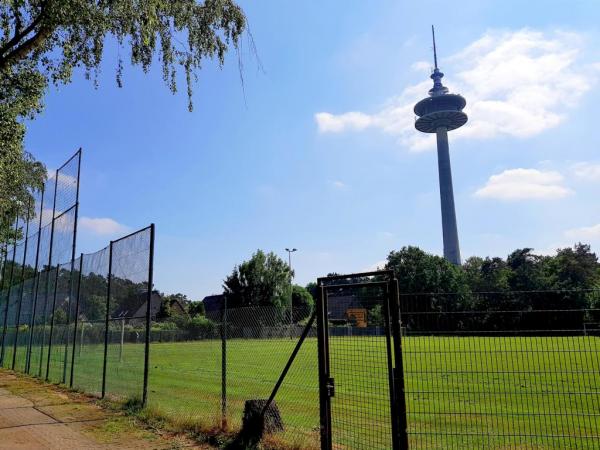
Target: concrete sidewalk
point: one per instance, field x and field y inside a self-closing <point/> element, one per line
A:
<point x="34" y="415"/>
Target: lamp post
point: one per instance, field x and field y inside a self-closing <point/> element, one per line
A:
<point x="291" y="288"/>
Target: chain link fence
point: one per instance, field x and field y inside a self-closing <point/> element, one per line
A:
<point x="127" y="320"/>
<point x="89" y="330"/>
<point x="502" y="370"/>
<point x="205" y="369"/>
<point x="78" y="321"/>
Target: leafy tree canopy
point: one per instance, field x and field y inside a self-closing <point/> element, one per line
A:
<point x="263" y="280"/>
<point x="418" y="271"/>
<point x="571" y="268"/>
<point x="42" y="42"/>
<point x="575" y="268"/>
<point x="302" y="302"/>
<point x="196" y="309"/>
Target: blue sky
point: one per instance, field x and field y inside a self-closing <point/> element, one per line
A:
<point x="318" y="151"/>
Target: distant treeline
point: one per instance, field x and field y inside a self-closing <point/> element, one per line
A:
<point x="525" y="291"/>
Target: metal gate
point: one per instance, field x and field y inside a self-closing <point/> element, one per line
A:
<point x="361" y="385"/>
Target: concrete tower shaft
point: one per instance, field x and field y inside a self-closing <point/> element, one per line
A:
<point x="439" y="113"/>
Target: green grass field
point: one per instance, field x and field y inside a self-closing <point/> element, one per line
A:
<point x="461" y="392"/>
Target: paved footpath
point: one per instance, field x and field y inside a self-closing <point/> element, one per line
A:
<point x="37" y="416"/>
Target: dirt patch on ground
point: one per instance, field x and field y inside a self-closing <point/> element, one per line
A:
<point x="35" y="415"/>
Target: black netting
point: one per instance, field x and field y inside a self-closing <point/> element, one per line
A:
<point x="3" y="256"/>
<point x="91" y="317"/>
<point x="14" y="296"/>
<point x="67" y="178"/>
<point x="129" y="292"/>
<point x="5" y="283"/>
<point x="17" y="264"/>
<point x="11" y="303"/>
<point x="29" y="269"/>
<point x="24" y="319"/>
<point x="44" y="250"/>
<point x="40" y="331"/>
<point x="48" y="203"/>
<point x="62" y="241"/>
<point x="31" y="283"/>
<point x="59" y="362"/>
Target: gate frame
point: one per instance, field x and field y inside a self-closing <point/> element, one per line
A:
<point x="393" y="344"/>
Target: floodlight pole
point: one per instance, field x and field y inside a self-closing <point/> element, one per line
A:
<point x="291" y="288"/>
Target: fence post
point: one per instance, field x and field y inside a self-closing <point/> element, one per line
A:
<point x="35" y="285"/>
<point x="148" y="322"/>
<point x="76" y="321"/>
<point x="3" y="255"/>
<point x="12" y="267"/>
<point x="73" y="245"/>
<point x="49" y="270"/>
<point x="289" y="363"/>
<point x="110" y="255"/>
<point x="224" y="363"/>
<point x="3" y="273"/>
<point x="323" y="359"/>
<point x="18" y="316"/>
<point x="52" y="321"/>
<point x="399" y="390"/>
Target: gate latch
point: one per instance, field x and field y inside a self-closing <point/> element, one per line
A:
<point x="330" y="387"/>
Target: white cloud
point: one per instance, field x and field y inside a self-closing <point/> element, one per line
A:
<point x="522" y="184"/>
<point x="328" y="123"/>
<point x="422" y="66"/>
<point x="584" y="233"/>
<point x="102" y="226"/>
<point x="340" y="185"/>
<point x="517" y="83"/>
<point x="587" y="171"/>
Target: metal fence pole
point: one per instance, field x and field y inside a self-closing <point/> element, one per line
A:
<point x="36" y="286"/>
<point x="2" y="282"/>
<point x="76" y="321"/>
<point x="49" y="269"/>
<point x="3" y="255"/>
<point x="224" y="363"/>
<point x="289" y="363"/>
<point x="323" y="360"/>
<point x="148" y="322"/>
<point x="2" y="273"/>
<point x="110" y="255"/>
<point x="73" y="249"/>
<point x="399" y="389"/>
<point x="22" y="290"/>
<point x="52" y="321"/>
<point x="12" y="267"/>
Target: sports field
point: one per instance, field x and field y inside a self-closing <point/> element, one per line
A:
<point x="461" y="392"/>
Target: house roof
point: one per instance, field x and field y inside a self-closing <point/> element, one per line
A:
<point x="213" y="302"/>
<point x="338" y="305"/>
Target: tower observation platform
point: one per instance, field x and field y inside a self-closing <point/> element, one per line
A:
<point x="439" y="113"/>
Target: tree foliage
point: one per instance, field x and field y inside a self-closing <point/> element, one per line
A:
<point x="263" y="280"/>
<point x="20" y="174"/>
<point x="499" y="294"/>
<point x="574" y="267"/>
<point x="418" y="271"/>
<point x="302" y="303"/>
<point x="42" y="43"/>
<point x="196" y="309"/>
